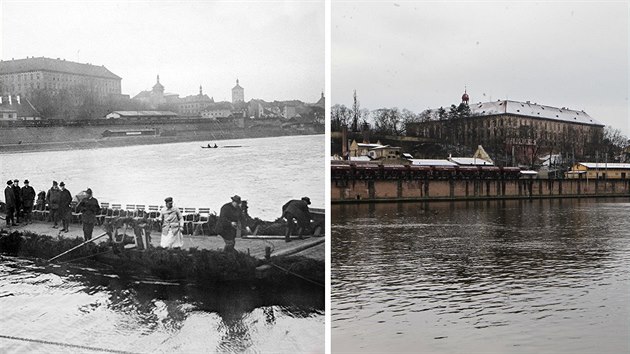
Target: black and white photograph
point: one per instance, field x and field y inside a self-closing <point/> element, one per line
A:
<point x="165" y="173"/>
<point x="480" y="177"/>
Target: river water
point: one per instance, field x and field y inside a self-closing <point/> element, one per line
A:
<point x="89" y="307"/>
<point x="79" y="306"/>
<point x="545" y="276"/>
<point x="266" y="172"/>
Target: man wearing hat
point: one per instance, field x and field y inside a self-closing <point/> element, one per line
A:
<point x="17" y="191"/>
<point x="52" y="199"/>
<point x="297" y="210"/>
<point x="28" y="200"/>
<point x="89" y="207"/>
<point x="65" y="211"/>
<point x="9" y="199"/>
<point x="172" y="224"/>
<point x="228" y="222"/>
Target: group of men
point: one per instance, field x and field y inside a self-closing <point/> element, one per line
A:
<point x="59" y="200"/>
<point x="231" y="221"/>
<point x="19" y="202"/>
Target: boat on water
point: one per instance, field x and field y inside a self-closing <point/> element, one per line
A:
<point x="225" y="146"/>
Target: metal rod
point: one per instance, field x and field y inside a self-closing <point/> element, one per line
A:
<point x="77" y="246"/>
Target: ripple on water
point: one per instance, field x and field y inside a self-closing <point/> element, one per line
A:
<point x="490" y="270"/>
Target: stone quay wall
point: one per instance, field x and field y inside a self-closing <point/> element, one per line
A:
<point x="425" y="190"/>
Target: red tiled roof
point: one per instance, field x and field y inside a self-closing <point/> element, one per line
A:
<point x="56" y="65"/>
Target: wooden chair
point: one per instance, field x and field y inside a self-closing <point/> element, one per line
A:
<point x="75" y="214"/>
<point x="130" y="210"/>
<point x="189" y="215"/>
<point x="140" y="213"/>
<point x="114" y="212"/>
<point x="202" y="219"/>
<point x="154" y="213"/>
<point x="41" y="212"/>
<point x="100" y="217"/>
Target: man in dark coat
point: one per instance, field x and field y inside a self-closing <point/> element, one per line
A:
<point x="228" y="222"/>
<point x="17" y="191"/>
<point x="9" y="199"/>
<point x="28" y="199"/>
<point x="52" y="199"/>
<point x="297" y="210"/>
<point x="65" y="210"/>
<point x="90" y="208"/>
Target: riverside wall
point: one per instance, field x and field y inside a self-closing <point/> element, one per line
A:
<point x="25" y="139"/>
<point x="353" y="191"/>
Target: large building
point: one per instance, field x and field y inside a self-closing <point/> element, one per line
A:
<point x="156" y="96"/>
<point x="520" y="130"/>
<point x="193" y="105"/>
<point x="25" y="76"/>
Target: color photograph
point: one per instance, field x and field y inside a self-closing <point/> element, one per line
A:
<point x="480" y="177"/>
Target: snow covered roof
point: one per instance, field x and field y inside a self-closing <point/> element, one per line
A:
<point x="360" y="158"/>
<point x="380" y="147"/>
<point x="470" y="161"/>
<point x="602" y="165"/>
<point x="369" y="146"/>
<point x="532" y="110"/>
<point x="431" y="162"/>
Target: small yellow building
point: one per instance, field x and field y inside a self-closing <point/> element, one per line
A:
<point x="592" y="170"/>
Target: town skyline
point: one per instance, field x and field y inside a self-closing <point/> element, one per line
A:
<point x="422" y="55"/>
<point x="187" y="43"/>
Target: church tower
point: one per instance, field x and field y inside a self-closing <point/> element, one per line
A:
<point x="238" y="93"/>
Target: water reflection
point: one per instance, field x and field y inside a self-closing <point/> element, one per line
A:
<point x="481" y="276"/>
<point x="86" y="307"/>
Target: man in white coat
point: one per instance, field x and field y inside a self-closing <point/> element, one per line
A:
<point x="172" y="224"/>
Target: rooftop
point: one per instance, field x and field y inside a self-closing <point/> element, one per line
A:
<point x="470" y="161"/>
<point x="532" y="110"/>
<point x="144" y="113"/>
<point x="431" y="162"/>
<point x="602" y="165"/>
<point x="56" y="65"/>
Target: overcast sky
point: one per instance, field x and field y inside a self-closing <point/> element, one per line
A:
<point x="420" y="55"/>
<point x="274" y="48"/>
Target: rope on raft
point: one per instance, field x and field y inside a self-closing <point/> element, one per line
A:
<point x="68" y="345"/>
<point x="297" y="275"/>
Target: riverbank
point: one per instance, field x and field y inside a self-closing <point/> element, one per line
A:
<point x="32" y="139"/>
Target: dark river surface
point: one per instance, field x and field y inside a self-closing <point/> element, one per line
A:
<point x="542" y="276"/>
<point x="81" y="306"/>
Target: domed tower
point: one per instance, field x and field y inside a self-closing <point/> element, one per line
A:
<point x="465" y="97"/>
<point x="238" y="93"/>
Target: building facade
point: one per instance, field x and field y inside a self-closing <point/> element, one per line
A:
<point x="26" y="76"/>
<point x="193" y="105"/>
<point x="156" y="96"/>
<point x="599" y="170"/>
<point x="521" y="130"/>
